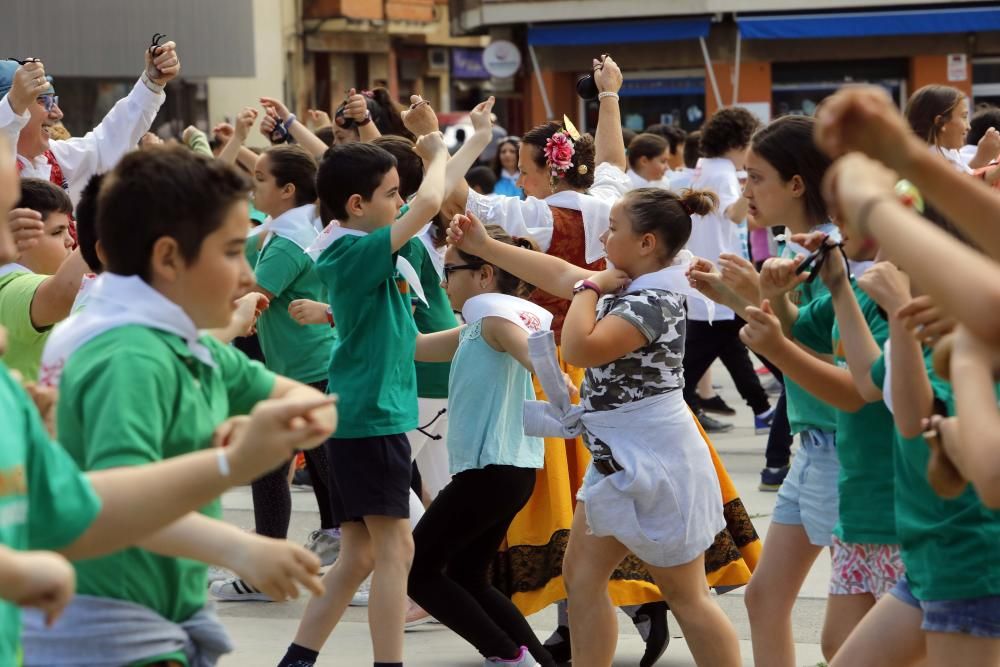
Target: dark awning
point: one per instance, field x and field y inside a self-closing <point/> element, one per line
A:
<point x="622" y="32"/>
<point x="870" y="24"/>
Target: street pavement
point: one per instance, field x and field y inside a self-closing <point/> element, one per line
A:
<point x="262" y="631"/>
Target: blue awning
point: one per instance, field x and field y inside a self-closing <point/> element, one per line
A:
<point x="662" y="87"/>
<point x="625" y="32"/>
<point x="870" y="24"/>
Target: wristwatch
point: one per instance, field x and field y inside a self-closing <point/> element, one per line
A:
<point x="367" y="119"/>
<point x="585" y="284"/>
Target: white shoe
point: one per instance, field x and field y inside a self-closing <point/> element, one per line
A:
<point x="416" y="615"/>
<point x="523" y="659"/>
<point x="327" y="547"/>
<point x="216" y="573"/>
<point x="360" y="598"/>
<point x="235" y="589"/>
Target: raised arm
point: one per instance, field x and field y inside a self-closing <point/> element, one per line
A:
<point x="302" y="134"/>
<point x="241" y="130"/>
<point x="609" y="146"/>
<point x="466" y="156"/>
<point x="547" y="272"/>
<point x="427" y="202"/>
<point x="54" y="298"/>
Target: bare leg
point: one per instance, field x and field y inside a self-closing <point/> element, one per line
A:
<point x="709" y="633"/>
<point x="947" y="649"/>
<point x="341" y="581"/>
<point x="587" y="566"/>
<point x="784" y="563"/>
<point x="392" y="545"/>
<point x="843" y="614"/>
<point x="889" y="634"/>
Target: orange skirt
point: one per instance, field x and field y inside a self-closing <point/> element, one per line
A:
<point x="529" y="566"/>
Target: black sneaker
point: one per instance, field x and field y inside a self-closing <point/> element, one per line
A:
<point x="716" y="405"/>
<point x="650" y="620"/>
<point x="559" y="647"/>
<point x="712" y="425"/>
<point x="771" y="478"/>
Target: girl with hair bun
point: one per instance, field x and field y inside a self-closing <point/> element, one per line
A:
<point x="658" y="499"/>
<point x="940" y="116"/>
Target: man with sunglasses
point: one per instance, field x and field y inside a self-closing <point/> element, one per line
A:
<point x="29" y="107"/>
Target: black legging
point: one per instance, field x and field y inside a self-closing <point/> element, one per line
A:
<point x="707" y="342"/>
<point x="455" y="543"/>
<point x="272" y="499"/>
<point x="779" y="440"/>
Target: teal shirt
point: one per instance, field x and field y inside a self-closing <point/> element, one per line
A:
<point x="436" y="315"/>
<point x="371" y="367"/>
<point x="45" y="501"/>
<point x="864" y="438"/>
<point x="300" y="352"/>
<point x="486" y="412"/>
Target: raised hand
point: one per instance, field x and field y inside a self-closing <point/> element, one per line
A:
<point x="163" y="64"/>
<point x="482" y="115"/>
<point x="29" y="82"/>
<point x="279" y="427"/>
<point x="420" y="118"/>
<point x="703" y="276"/>
<point x="610" y="280"/>
<point x="223" y="132"/>
<point x="850" y="183"/>
<point x="319" y="118"/>
<point x="988" y="147"/>
<point x="925" y="319"/>
<point x="762" y="332"/>
<point x="356" y="107"/>
<point x="275" y="107"/>
<point x="740" y="276"/>
<point x="467" y="233"/>
<point x="244" y="121"/>
<point x="26" y="227"/>
<point x="248" y="308"/>
<point x="777" y="277"/>
<point x="887" y="285"/>
<point x="430" y="145"/>
<point x="607" y="75"/>
<point x="865" y="119"/>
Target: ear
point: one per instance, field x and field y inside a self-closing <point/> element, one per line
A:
<point x="99" y="249"/>
<point x="288" y="191"/>
<point x="486" y="275"/>
<point x="355" y="206"/>
<point x="648" y="243"/>
<point x="798" y="186"/>
<point x="165" y="261"/>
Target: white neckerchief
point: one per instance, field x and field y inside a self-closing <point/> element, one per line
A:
<point x="525" y="314"/>
<point x="117" y="301"/>
<point x="672" y="279"/>
<point x="512" y="175"/>
<point x="437" y="254"/>
<point x="334" y="232"/>
<point x="299" y="225"/>
<point x="642" y="182"/>
<point x="595" y="219"/>
<point x="953" y="156"/>
<point x="83" y="295"/>
<point x="13" y="267"/>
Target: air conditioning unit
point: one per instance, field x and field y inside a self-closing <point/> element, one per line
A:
<point x="437" y="59"/>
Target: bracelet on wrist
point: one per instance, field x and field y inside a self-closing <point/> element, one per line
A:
<point x="367" y="119"/>
<point x="223" y="461"/>
<point x="287" y="123"/>
<point x="155" y="88"/>
<point x="865" y="211"/>
<point x="607" y="93"/>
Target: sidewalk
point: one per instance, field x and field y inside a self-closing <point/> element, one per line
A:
<point x="262" y="631"/>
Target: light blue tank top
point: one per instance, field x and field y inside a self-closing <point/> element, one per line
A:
<point x="486" y="394"/>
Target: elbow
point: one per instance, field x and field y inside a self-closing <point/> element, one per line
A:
<point x="575" y="353"/>
<point x="853" y="404"/>
<point x="989" y="493"/>
<point x="908" y="428"/>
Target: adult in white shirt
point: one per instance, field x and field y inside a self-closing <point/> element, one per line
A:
<point x="681" y="178"/>
<point x="724" y="143"/>
<point x="29" y="107"/>
<point x="649" y="162"/>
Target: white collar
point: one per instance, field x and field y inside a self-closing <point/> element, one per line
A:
<point x="512" y="175"/>
<point x="14" y="267"/>
<point x="437" y="255"/>
<point x="525" y="314"/>
<point x="596" y="213"/>
<point x="672" y="279"/>
<point x="333" y="232"/>
<point x="300" y="225"/>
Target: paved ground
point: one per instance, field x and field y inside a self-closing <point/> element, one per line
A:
<point x="261" y="631"/>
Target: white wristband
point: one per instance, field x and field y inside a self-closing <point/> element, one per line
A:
<point x="153" y="87"/>
<point x="223" y="461"/>
<point x="607" y="93"/>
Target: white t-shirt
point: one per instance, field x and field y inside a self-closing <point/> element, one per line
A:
<point x="714" y="234"/>
<point x="640" y="182"/>
<point x="681" y="179"/>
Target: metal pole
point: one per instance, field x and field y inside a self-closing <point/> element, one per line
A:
<point x="711" y="73"/>
<point x="736" y="74"/>
<point x="541" y="83"/>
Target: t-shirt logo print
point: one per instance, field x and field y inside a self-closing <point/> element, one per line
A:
<point x="530" y="320"/>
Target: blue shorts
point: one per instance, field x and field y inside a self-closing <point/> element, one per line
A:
<point x="979" y="617"/>
<point x="808" y="497"/>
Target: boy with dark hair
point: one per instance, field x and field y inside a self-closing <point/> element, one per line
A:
<point x="141" y="384"/>
<point x="675" y="137"/>
<point x="725" y="140"/>
<point x="482" y="180"/>
<point x="373" y="369"/>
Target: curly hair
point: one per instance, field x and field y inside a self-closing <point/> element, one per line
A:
<point x="730" y="128"/>
<point x="580" y="176"/>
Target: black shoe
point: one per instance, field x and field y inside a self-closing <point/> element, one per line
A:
<point x="559" y="647"/>
<point x="716" y="405"/>
<point x="651" y="621"/>
<point x="712" y="425"/>
<point x="771" y="478"/>
<point x="301" y="478"/>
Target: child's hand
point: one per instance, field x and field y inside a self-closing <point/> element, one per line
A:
<point x="43" y="580"/>
<point x="230" y="431"/>
<point x="279" y="427"/>
<point x="925" y="320"/>
<point x="248" y="308"/>
<point x="834" y="269"/>
<point x="319" y="118"/>
<point x="571" y="387"/>
<point x="762" y="332"/>
<point x="356" y="107"/>
<point x="942" y="437"/>
<point x="305" y="311"/>
<point x="850" y="183"/>
<point x="863" y="118"/>
<point x="740" y="276"/>
<point x="778" y="277"/>
<point x="988" y="147"/>
<point x="268" y="123"/>
<point x="610" y="281"/>
<point x="482" y="116"/>
<point x="430" y="146"/>
<point x="244" y="121"/>
<point x="275" y="107"/>
<point x="467" y="233"/>
<point x="703" y="277"/>
<point x="223" y="132"/>
<point x="420" y="118"/>
<point x="276" y="567"/>
<point x="26" y="227"/>
<point x="887" y="285"/>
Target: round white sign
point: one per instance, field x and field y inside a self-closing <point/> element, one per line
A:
<point x="502" y="59"/>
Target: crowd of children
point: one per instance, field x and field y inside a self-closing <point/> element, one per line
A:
<point x="500" y="398"/>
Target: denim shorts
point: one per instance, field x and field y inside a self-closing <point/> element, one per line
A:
<point x="979" y="617"/>
<point x="808" y="497"/>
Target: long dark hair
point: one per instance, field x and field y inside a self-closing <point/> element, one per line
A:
<point x="931" y="107"/>
<point x="787" y="145"/>
<point x="497" y="166"/>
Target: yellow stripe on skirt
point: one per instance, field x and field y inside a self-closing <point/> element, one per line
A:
<point x="528" y="567"/>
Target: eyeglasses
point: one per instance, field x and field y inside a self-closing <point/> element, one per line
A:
<point x="448" y="270"/>
<point x="50" y="102"/>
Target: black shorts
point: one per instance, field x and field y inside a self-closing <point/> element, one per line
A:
<point x="369" y="477"/>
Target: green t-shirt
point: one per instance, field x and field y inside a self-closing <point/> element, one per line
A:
<point x="135" y="395"/>
<point x="24" y="342"/>
<point x="437" y="315"/>
<point x="300" y="352"/>
<point x="371" y="367"/>
<point x="864" y="438"/>
<point x="949" y="547"/>
<point x="45" y="501"/>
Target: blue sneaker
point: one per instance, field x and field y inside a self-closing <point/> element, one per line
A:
<point x="762" y="422"/>
<point x="772" y="478"/>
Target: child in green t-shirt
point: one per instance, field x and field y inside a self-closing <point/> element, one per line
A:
<point x="372" y="368"/>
